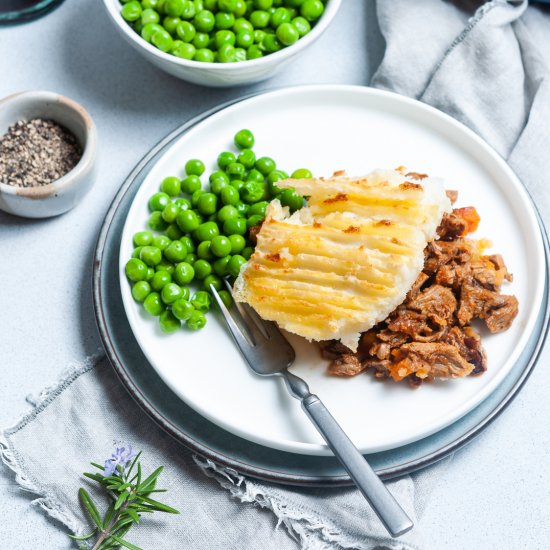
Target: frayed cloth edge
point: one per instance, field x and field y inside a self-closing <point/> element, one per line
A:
<point x="11" y="459"/>
<point x="307" y="529"/>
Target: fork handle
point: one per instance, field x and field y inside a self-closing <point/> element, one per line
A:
<point x="373" y="489"/>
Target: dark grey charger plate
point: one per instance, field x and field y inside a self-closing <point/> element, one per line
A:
<point x="207" y="439"/>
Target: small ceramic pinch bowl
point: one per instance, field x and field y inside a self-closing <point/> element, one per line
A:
<point x="64" y="193"/>
<point x="219" y="75"/>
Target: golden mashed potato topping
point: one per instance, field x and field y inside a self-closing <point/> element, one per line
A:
<point x="347" y="259"/>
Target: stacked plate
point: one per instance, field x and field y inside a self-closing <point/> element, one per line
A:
<point x="197" y="387"/>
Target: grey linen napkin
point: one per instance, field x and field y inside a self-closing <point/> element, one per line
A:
<point x="489" y="72"/>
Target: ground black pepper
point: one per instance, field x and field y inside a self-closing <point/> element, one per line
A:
<point x="36" y="153"/>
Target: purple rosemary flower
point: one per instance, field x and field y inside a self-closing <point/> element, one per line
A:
<point x="121" y="457"/>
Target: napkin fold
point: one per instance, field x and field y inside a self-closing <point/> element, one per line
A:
<point x="489" y="71"/>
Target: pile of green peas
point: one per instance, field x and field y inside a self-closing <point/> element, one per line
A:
<point x="201" y="235"/>
<point x="222" y="31"/>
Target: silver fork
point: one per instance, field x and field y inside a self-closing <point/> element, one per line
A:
<point x="268" y="353"/>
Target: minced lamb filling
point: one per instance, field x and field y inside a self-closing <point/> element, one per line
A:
<point x="430" y="334"/>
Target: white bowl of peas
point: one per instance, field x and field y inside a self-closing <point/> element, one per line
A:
<point x="221" y="43"/>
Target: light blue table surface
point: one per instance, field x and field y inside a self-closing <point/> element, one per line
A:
<point x="496" y="493"/>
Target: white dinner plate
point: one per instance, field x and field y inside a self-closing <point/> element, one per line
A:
<point x="327" y="128"/>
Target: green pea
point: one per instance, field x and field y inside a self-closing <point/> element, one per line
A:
<point x="240" y="8"/>
<point x="247" y="252"/>
<point x="191" y="184"/>
<point x="149" y="16"/>
<point x="149" y="29"/>
<point x="170" y="212"/>
<point x="182" y="309"/>
<point x="242" y="24"/>
<point x="205" y="55"/>
<point x="196" y="321"/>
<point x="301" y="173"/>
<point x="175" y="252"/>
<point x="226" y="54"/>
<point x="201" y="41"/>
<point x="202" y="269"/>
<point x="149" y="4"/>
<point x="260" y="19"/>
<point x="225" y="298"/>
<point x="168" y="322"/>
<point x="194" y="167"/>
<point x="224" y="20"/>
<point x="183" y="204"/>
<point x="173" y="232"/>
<point x="188" y="10"/>
<point x="220" y="266"/>
<point x="213" y="280"/>
<point x="235" y="226"/>
<point x="160" y="280"/>
<point x="290" y="198"/>
<point x="135" y="253"/>
<point x="153" y="304"/>
<point x="187" y="221"/>
<point x="227" y="212"/>
<point x="189" y="244"/>
<point x="242" y="209"/>
<point x="312" y="9"/>
<point x="235" y="264"/>
<point x="238" y="243"/>
<point x="204" y="252"/>
<point x="259" y="36"/>
<point x="236" y="184"/>
<point x="206" y="231"/>
<point x="240" y="54"/>
<point x="184" y="50"/>
<point x="170" y="293"/>
<point x="195" y="197"/>
<point x="225" y="158"/>
<point x="271" y="43"/>
<point x="265" y="165"/>
<point x="252" y="191"/>
<point x="247" y="158"/>
<point x="228" y="6"/>
<point x="254" y="52"/>
<point x="186" y="32"/>
<point x="151" y="255"/>
<point x="229" y="196"/>
<point x="287" y="34"/>
<point x="184" y="273"/>
<point x="156" y="221"/>
<point x="150" y="274"/>
<point x="221" y="246"/>
<point x="201" y="301"/>
<point x="131" y="11"/>
<point x="258" y="208"/>
<point x="158" y="202"/>
<point x="244" y="139"/>
<point x="161" y="241"/>
<point x="141" y="290"/>
<point x="162" y="40"/>
<point x="254" y="175"/>
<point x="136" y="269"/>
<point x="173" y="7"/>
<point x="218" y="185"/>
<point x="204" y="21"/>
<point x="262" y="4"/>
<point x="165" y="265"/>
<point x="191" y="258"/>
<point x="254" y="220"/>
<point x="235" y="171"/>
<point x="171" y="186"/>
<point x="143" y="238"/>
<point x="302" y="25"/>
<point x="279" y="17"/>
<point x="170" y="24"/>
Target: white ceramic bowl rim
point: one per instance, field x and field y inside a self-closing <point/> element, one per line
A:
<point x="331" y="8"/>
<point x="88" y="153"/>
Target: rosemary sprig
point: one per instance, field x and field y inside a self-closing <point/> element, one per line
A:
<point x="130" y="494"/>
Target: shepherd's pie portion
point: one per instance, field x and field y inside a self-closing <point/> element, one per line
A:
<point x="347" y="259"/>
